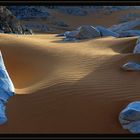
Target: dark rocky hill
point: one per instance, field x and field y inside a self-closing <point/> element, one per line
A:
<point x="9" y="23"/>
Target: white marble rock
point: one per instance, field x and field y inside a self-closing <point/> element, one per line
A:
<point x="131" y="66"/>
<point x="137" y="47"/>
<point x="6" y="90"/>
<point x="130" y="117"/>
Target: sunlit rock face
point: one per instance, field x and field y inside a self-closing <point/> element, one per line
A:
<point x="6" y="90"/>
<point x="129" y="117"/>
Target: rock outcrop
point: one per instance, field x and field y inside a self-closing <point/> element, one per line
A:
<point x="8" y="22"/>
<point x="130" y="117"/>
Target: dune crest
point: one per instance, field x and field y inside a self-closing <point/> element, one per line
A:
<point x="47" y="64"/>
<point x="65" y="86"/>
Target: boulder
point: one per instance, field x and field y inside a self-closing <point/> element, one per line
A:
<point x="106" y="32"/>
<point x="87" y="32"/>
<point x="6" y="90"/>
<point x="28" y="31"/>
<point x="130" y="117"/>
<point x="125" y="26"/>
<point x="137" y="47"/>
<point x="83" y="32"/>
<point x="131" y="66"/>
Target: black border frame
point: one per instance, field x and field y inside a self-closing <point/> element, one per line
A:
<point x="73" y="3"/>
<point x="70" y="2"/>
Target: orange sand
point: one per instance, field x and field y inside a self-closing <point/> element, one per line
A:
<point x="68" y="87"/>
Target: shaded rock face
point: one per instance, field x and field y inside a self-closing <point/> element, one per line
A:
<point x="6" y="90"/>
<point x="130" y="117"/>
<point x="131" y="66"/>
<point x="8" y="22"/>
<point x="87" y="32"/>
<point x="106" y="32"/>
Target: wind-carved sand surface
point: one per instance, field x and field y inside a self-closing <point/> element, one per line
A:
<point x="62" y="87"/>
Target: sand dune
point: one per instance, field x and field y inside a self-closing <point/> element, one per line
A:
<point x="68" y="87"/>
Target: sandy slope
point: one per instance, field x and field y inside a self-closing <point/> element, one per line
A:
<point x="68" y="87"/>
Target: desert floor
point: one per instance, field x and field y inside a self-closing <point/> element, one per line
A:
<point x="63" y="87"/>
